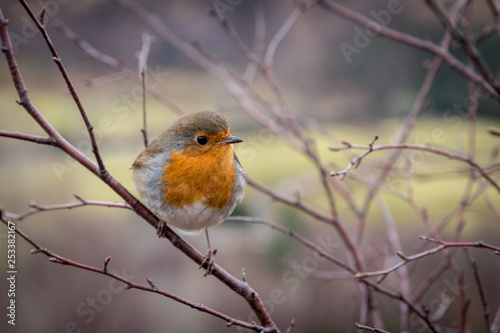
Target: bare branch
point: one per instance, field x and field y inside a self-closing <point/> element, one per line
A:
<point x="450" y="155"/>
<point x="406" y="259"/>
<point x="56" y="258"/>
<point x="35" y="209"/>
<point x="57" y="59"/>
<point x="473" y="265"/>
<point x="412" y="41"/>
<point x="28" y="137"/>
<point x="147" y="41"/>
<point x="115" y="64"/>
<point x="371" y="329"/>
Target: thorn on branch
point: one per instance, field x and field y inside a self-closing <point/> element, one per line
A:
<point x="105" y="265"/>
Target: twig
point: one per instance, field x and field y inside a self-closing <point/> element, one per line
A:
<point x="475" y="271"/>
<point x="479" y="244"/>
<point x="469" y="47"/>
<point x="259" y="42"/>
<point x="464" y="303"/>
<point x="56" y="258"/>
<point x="495" y="326"/>
<point x="290" y="201"/>
<point x="297" y="237"/>
<point x="395" y="243"/>
<point x="412" y="41"/>
<point x="355" y="162"/>
<point x="57" y="59"/>
<point x="115" y="64"/>
<point x="406" y="259"/>
<point x="147" y="41"/>
<point x="408" y="124"/>
<point x="450" y="155"/>
<point x="371" y="329"/>
<point x="291" y="326"/>
<point x="282" y="32"/>
<point x="28" y="137"/>
<point x="395" y="295"/>
<point x="34" y="209"/>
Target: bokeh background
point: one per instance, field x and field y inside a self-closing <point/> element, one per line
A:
<point x="340" y="98"/>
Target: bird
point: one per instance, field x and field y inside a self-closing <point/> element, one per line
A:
<point x="189" y="175"/>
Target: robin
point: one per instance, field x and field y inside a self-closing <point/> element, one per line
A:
<point x="189" y="176"/>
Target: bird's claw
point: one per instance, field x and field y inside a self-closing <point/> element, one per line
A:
<point x="208" y="262"/>
<point x="161" y="229"/>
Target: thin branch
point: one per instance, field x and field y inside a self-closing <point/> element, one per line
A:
<point x="469" y="47"/>
<point x="290" y="201"/>
<point x="465" y="303"/>
<point x="495" y="326"/>
<point x="58" y="259"/>
<point x="147" y="41"/>
<point x="259" y="42"/>
<point x="297" y="237"/>
<point x="291" y="326"/>
<point x="369" y="328"/>
<point x="282" y="32"/>
<point x="479" y="244"/>
<point x="408" y="124"/>
<point x="29" y="137"/>
<point x="406" y="259"/>
<point x="475" y="271"/>
<point x="35" y="209"/>
<point x="395" y="243"/>
<point x="377" y="287"/>
<point x="57" y="59"/>
<point x="450" y="155"/>
<point x="115" y="64"/>
<point x="412" y="41"/>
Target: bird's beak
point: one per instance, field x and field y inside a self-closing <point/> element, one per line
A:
<point x="230" y="140"/>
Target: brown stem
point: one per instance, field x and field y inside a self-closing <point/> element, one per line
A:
<point x="129" y="284"/>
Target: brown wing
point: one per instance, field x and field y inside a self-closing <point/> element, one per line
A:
<point x="155" y="147"/>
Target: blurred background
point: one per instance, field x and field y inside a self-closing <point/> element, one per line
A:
<point x="340" y="96"/>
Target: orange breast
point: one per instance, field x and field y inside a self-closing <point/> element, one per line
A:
<point x="207" y="177"/>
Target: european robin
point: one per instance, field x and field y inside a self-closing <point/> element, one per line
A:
<point x="189" y="176"/>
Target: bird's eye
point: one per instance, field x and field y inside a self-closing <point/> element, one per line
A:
<point x="201" y="140"/>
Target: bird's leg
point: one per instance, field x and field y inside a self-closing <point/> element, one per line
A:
<point x="161" y="229"/>
<point x="209" y="259"/>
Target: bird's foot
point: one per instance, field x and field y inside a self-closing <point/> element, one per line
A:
<point x="161" y="229"/>
<point x="208" y="262"/>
